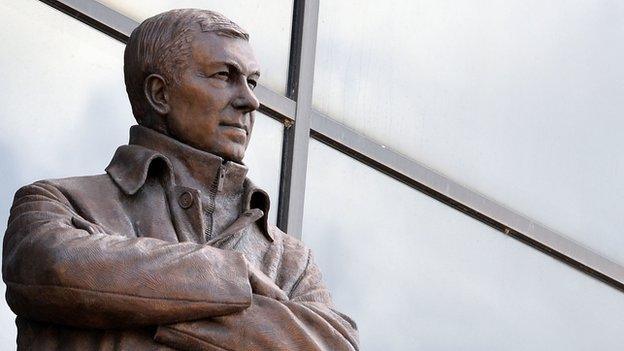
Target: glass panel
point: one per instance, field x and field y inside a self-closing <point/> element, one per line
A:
<point x="418" y="275"/>
<point x="519" y="100"/>
<point x="66" y="116"/>
<point x="268" y="23"/>
<point x="264" y="158"/>
<point x="63" y="108"/>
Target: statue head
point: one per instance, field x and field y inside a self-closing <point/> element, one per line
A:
<point x="190" y="74"/>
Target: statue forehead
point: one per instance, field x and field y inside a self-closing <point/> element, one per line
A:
<point x="211" y="47"/>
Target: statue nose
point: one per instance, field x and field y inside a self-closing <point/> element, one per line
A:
<point x="246" y="99"/>
<point x="247" y="104"/>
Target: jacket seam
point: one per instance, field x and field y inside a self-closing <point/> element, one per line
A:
<point x="280" y="260"/>
<point x="127" y="295"/>
<point x="296" y="285"/>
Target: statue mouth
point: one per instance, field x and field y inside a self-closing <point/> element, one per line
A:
<point x="235" y="126"/>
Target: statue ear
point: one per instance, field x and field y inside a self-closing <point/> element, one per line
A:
<point x="155" y="90"/>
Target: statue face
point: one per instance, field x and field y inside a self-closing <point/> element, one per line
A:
<point x="211" y="107"/>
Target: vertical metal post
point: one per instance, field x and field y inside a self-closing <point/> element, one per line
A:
<point x="297" y="137"/>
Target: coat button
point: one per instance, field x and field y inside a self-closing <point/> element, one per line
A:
<point x="185" y="200"/>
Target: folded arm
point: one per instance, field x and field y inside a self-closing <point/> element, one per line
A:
<point x="306" y="322"/>
<point x="60" y="268"/>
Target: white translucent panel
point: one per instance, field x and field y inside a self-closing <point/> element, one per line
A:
<point x="264" y="158"/>
<point x="64" y="109"/>
<point x="63" y="105"/>
<point x="519" y="100"/>
<point x="418" y="275"/>
<point x="268" y="22"/>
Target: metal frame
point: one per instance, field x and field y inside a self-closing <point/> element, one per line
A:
<point x="97" y="16"/>
<point x="297" y="138"/>
<point x="473" y="204"/>
<point x="302" y="122"/>
<point x="276" y="105"/>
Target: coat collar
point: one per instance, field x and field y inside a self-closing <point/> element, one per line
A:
<point x="192" y="168"/>
<point x="131" y="163"/>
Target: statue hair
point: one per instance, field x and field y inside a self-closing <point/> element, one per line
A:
<point x="162" y="45"/>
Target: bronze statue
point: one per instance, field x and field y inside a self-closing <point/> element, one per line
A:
<point x="171" y="248"/>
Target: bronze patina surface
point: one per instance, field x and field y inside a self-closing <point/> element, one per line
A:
<point x="171" y="248"/>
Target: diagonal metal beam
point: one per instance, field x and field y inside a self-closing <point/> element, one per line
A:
<point x="97" y="16"/>
<point x="451" y="193"/>
<point x="276" y="105"/>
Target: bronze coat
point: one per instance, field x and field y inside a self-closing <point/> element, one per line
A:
<point x="119" y="262"/>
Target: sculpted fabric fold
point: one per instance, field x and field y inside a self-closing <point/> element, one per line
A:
<point x="90" y="263"/>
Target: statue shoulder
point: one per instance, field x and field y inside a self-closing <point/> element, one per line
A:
<point x="66" y="189"/>
<point x="288" y="242"/>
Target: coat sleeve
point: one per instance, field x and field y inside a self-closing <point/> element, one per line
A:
<point x="62" y="269"/>
<point x="307" y="321"/>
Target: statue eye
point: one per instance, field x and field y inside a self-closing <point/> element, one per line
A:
<point x="252" y="83"/>
<point x="223" y="75"/>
